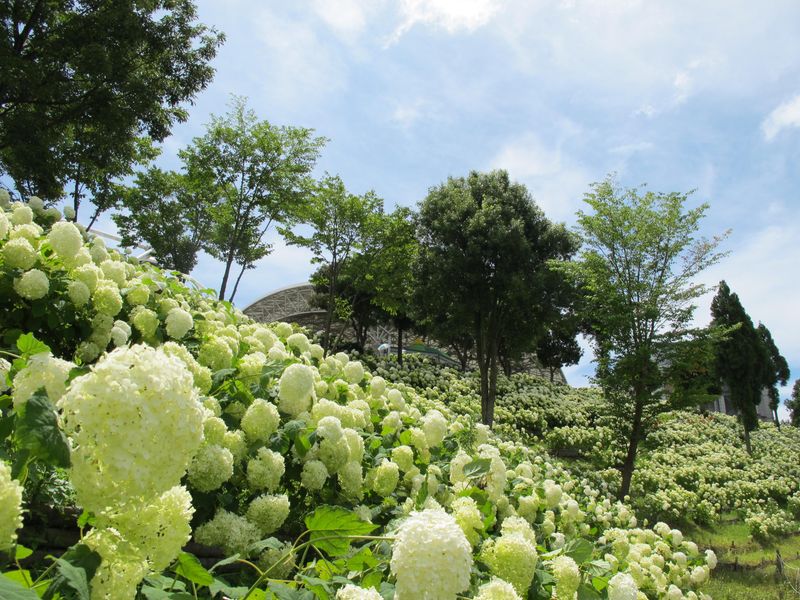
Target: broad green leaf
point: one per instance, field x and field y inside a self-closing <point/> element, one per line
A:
<point x="387" y="591"/>
<point x="74" y="571"/>
<point x="598" y="568"/>
<point x="12" y="590"/>
<point x="587" y="592"/>
<point x="477" y="468"/>
<point x="281" y="592"/>
<point x="320" y="587"/>
<point x="152" y="593"/>
<point x="221" y="586"/>
<point x="21" y="552"/>
<point x="362" y="560"/>
<point x="329" y="526"/>
<point x="599" y="583"/>
<point x="579" y="550"/>
<point x="28" y="345"/>
<point x="37" y="431"/>
<point x="190" y="568"/>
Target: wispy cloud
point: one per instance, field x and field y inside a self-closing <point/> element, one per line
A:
<point x="784" y="116"/>
<point x="450" y="15"/>
<point x="556" y="181"/>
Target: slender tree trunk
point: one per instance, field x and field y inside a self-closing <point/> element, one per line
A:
<point x="238" y="279"/>
<point x="483" y="367"/>
<point x="747" y="444"/>
<point x="493" y="369"/>
<point x="92" y="220"/>
<point x="400" y="346"/>
<point x="552" y="373"/>
<point x="226" y="274"/>
<point x="633" y="445"/>
<point x="76" y="199"/>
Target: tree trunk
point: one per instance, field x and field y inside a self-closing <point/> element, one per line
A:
<point x="400" y="346"/>
<point x="747" y="444"/>
<point x="236" y="285"/>
<point x="633" y="445"/>
<point x="326" y="338"/>
<point x="493" y="369"/>
<point x="226" y="274"/>
<point x="552" y="374"/>
<point x="483" y="367"/>
<point x="775" y="416"/>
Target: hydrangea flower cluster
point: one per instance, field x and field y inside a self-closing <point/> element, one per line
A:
<point x="10" y="507"/>
<point x="431" y="557"/>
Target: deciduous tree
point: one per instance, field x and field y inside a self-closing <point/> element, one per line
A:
<point x="484" y="258"/>
<point x="81" y="81"/>
<point x="641" y="255"/>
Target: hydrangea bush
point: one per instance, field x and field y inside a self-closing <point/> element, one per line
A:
<point x="181" y="425"/>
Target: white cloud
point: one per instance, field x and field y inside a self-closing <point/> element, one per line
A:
<point x="759" y="270"/>
<point x="785" y="115"/>
<point x="408" y="113"/>
<point x="297" y="68"/>
<point x="347" y="18"/>
<point x="451" y="15"/>
<point x="556" y="182"/>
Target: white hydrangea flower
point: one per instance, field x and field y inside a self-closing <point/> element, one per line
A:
<point x="497" y="589"/>
<point x="65" y="239"/>
<point x="158" y="529"/>
<point x="435" y="427"/>
<point x="19" y="254"/>
<point x="299" y="341"/>
<point x="4" y="224"/>
<point x="353" y="592"/>
<point x="711" y="559"/>
<point x="268" y="512"/>
<point x="69" y="212"/>
<point x="157" y="414"/>
<point x="403" y="456"/>
<point x="330" y="428"/>
<point x="42" y="371"/>
<point x="622" y="587"/>
<point x="211" y="467"/>
<point x="377" y="386"/>
<point x="296" y="389"/>
<point x="115" y="271"/>
<point x="264" y="472"/>
<point x="260" y="420"/>
<point x="10" y="507"/>
<point x="431" y="557"/>
<point x="106" y="297"/>
<point x="354" y="371"/>
<point x="314" y="475"/>
<point x="387" y="475"/>
<point x="567" y="576"/>
<point x="513" y="558"/>
<point x="32" y="285"/>
<point x="552" y="493"/>
<point x="178" y="323"/>
<point x="146" y="321"/>
<point x="21" y="214"/>
<point x="78" y="293"/>
<point x="229" y="531"/>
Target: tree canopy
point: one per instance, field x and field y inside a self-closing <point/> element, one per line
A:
<point x="81" y="81"/>
<point x="484" y="260"/>
<point x="641" y="254"/>
<point x="262" y="175"/>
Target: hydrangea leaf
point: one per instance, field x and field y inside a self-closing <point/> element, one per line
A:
<point x="37" y="431"/>
<point x="74" y="569"/>
<point x="330" y="526"/>
<point x="477" y="468"/>
<point x="579" y="550"/>
<point x="11" y="590"/>
<point x="28" y="345"/>
<point x="190" y="568"/>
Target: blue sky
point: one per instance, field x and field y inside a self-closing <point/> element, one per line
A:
<point x="678" y="95"/>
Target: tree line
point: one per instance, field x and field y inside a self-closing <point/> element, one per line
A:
<point x="87" y="91"/>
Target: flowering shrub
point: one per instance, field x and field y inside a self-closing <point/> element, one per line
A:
<point x="295" y="474"/>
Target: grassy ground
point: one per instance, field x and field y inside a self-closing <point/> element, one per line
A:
<point x="748" y="570"/>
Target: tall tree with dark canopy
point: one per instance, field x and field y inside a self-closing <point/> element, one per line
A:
<point x="776" y="372"/>
<point x="742" y="361"/>
<point x="484" y="259"/>
<point x="638" y="265"/>
<point x="263" y="174"/>
<point x="793" y="404"/>
<point x="81" y="80"/>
